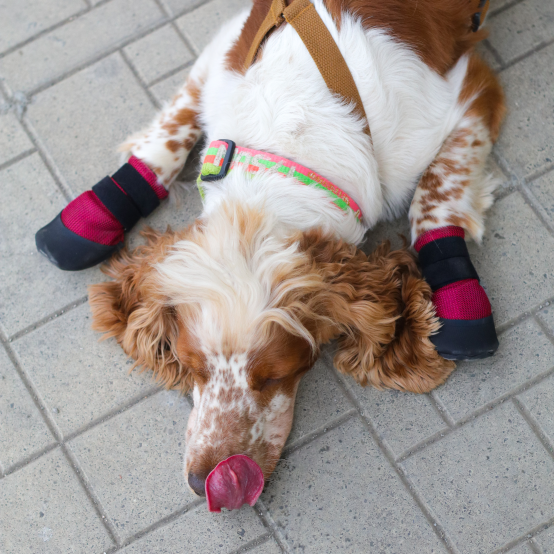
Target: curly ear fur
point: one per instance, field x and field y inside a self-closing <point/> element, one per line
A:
<point x="132" y="309"/>
<point x="384" y="315"/>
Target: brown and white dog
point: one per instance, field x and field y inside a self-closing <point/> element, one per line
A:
<point x="237" y="306"/>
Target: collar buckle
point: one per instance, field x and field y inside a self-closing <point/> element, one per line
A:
<point x="225" y="165"/>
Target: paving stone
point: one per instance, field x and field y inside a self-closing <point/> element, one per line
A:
<point x="134" y="462"/>
<point x="22" y="429"/>
<point x="202" y="24"/>
<point x="539" y="400"/>
<point x="487" y="55"/>
<point x="339" y="493"/>
<point x="48" y="511"/>
<point x="202" y="531"/>
<point x="543" y="189"/>
<point x="547" y="315"/>
<point x="521" y="28"/>
<point x="493" y="169"/>
<point x="514" y="262"/>
<point x="401" y="419"/>
<point x="94" y="110"/>
<point x="23" y="19"/>
<point x="525" y="353"/>
<point x="393" y="231"/>
<point x="526" y="137"/>
<point x="166" y="89"/>
<point x="318" y="401"/>
<point x="546" y="541"/>
<point x="177" y="212"/>
<point x="497" y="6"/>
<point x="158" y="53"/>
<point x="54" y="54"/>
<point x="13" y="140"/>
<point x="68" y="364"/>
<point x="488" y="482"/>
<point x="31" y="288"/>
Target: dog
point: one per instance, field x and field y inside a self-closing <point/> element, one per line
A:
<point x="237" y="306"/>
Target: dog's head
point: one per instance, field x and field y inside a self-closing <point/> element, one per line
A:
<point x="236" y="309"/>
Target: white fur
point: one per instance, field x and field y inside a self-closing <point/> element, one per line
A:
<point x="282" y="105"/>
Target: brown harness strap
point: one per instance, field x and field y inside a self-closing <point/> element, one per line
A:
<point x="273" y="19"/>
<point x="303" y="17"/>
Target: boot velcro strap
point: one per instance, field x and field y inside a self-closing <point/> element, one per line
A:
<point x="137" y="187"/>
<point x="441" y="249"/>
<point x="451" y="270"/>
<point x="117" y="202"/>
<point x="445" y="261"/>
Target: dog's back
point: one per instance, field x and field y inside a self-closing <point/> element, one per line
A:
<point x="408" y="64"/>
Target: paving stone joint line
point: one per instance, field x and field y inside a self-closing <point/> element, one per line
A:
<point x="470" y="417"/>
<point x="434" y="521"/>
<point x="435" y="524"/>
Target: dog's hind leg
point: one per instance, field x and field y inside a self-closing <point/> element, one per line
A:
<point x="451" y="199"/>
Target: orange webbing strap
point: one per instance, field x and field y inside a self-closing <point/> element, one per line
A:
<point x="301" y="14"/>
<point x="274" y="18"/>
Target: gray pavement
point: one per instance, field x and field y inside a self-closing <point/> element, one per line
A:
<point x="91" y="457"/>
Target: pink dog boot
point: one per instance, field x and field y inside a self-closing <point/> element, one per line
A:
<point x="461" y="303"/>
<point x="91" y="227"/>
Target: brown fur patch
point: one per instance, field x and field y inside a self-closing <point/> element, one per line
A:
<point x="131" y="309"/>
<point x="237" y="54"/>
<point x="277" y="366"/>
<point x="381" y="311"/>
<point x="439" y="31"/>
<point x="173" y="145"/>
<point x="490" y="104"/>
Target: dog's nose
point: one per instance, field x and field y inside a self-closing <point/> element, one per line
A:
<point x="197" y="484"/>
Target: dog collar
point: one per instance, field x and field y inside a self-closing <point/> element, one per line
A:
<point x="224" y="155"/>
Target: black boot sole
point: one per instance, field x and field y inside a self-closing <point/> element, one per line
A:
<point x="463" y="340"/>
<point x="67" y="250"/>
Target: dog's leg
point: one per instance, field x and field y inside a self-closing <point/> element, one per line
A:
<point x="91" y="228"/>
<point x="451" y="199"/>
<point x="165" y="145"/>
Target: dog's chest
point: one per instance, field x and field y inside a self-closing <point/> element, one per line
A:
<point x="282" y="105"/>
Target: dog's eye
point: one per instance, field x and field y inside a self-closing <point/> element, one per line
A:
<point x="269" y="383"/>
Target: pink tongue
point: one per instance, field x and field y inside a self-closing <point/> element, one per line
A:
<point x="234" y="482"/>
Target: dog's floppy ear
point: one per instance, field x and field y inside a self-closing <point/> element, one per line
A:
<point x="383" y="314"/>
<point x="132" y="309"/>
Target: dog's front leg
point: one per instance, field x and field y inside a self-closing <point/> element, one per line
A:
<point x="165" y="145"/>
<point x="451" y="199"/>
<point x="92" y="227"/>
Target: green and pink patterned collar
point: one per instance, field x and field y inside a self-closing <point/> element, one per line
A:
<point x="223" y="155"/>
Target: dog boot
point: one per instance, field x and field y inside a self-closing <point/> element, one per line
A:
<point x="467" y="331"/>
<point x="91" y="227"/>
